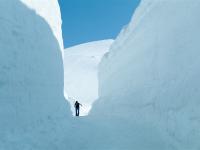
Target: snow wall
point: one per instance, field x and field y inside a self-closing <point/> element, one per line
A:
<point x="149" y="82"/>
<point x="33" y="110"/>
<point x="81" y="72"/>
<point x="49" y="10"/>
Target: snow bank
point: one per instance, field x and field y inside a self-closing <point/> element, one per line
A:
<point x="50" y="11"/>
<point x="149" y="82"/>
<point x="81" y="69"/>
<point x="33" y="110"/>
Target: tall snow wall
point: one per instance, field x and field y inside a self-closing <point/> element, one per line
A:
<point x="33" y="111"/>
<point x="149" y="82"/>
<point x="49" y="10"/>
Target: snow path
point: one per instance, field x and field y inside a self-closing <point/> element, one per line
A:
<point x="81" y="73"/>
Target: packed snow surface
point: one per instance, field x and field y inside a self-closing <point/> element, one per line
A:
<point x="81" y="71"/>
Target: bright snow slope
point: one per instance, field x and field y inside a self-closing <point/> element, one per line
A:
<point x="149" y="82"/>
<point x="81" y="70"/>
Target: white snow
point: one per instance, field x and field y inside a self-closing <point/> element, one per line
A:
<point x="149" y="89"/>
<point x="81" y="70"/>
<point x="50" y="11"/>
<point x="149" y="82"/>
<point x="33" y="110"/>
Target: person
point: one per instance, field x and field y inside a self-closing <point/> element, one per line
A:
<point x="77" y="107"/>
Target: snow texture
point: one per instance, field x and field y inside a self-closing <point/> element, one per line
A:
<point x="149" y="82"/>
<point x="33" y="110"/>
<point x="81" y="71"/>
<point x="50" y="11"/>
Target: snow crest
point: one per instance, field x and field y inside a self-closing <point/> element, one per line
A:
<point x="50" y="11"/>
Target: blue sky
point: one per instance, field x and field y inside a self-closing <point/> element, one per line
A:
<point x="91" y="20"/>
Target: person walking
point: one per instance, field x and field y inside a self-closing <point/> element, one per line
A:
<point x="77" y="107"/>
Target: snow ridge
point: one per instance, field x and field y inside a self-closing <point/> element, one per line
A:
<point x="51" y="13"/>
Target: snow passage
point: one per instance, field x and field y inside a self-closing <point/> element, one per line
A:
<point x="149" y="83"/>
<point x="81" y="73"/>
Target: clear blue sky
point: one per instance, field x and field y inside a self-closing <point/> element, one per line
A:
<point x="90" y="20"/>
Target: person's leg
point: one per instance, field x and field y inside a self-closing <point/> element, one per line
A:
<point x="78" y="111"/>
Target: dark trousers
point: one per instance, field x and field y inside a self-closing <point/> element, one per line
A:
<point x="77" y="111"/>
